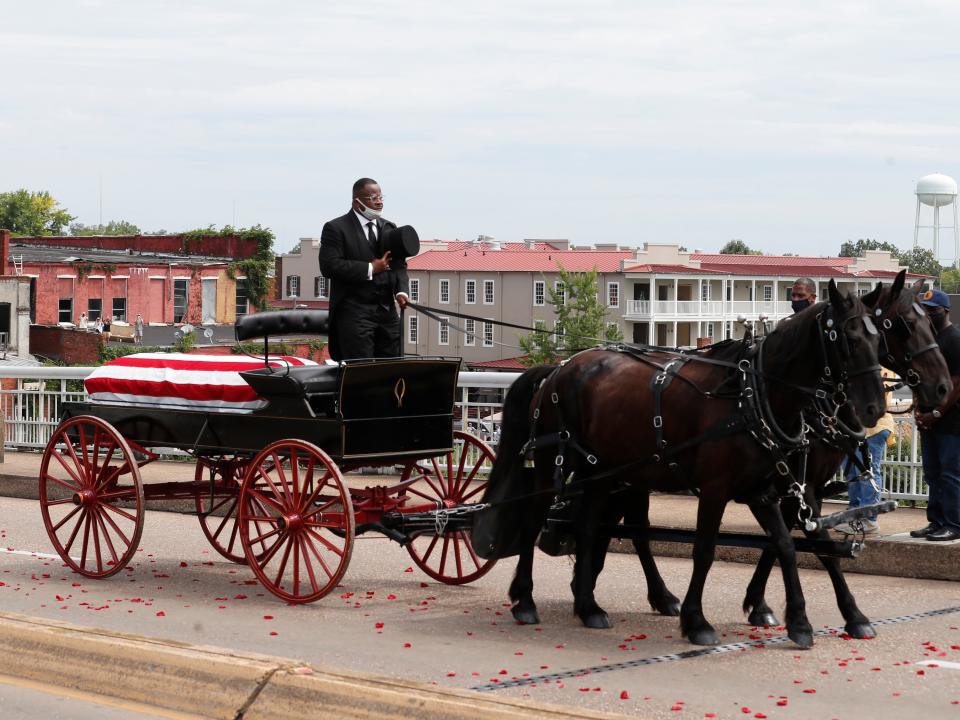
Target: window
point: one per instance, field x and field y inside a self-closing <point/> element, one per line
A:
<point x="488" y="297"/>
<point x="445" y="291"/>
<point x="539" y="290"/>
<point x="179" y="300"/>
<point x="613" y="294"/>
<point x="321" y="287"/>
<point x="120" y="309"/>
<point x="767" y="293"/>
<point x="561" y="292"/>
<point x="415" y="290"/>
<point x="488" y="334"/>
<point x="559" y="332"/>
<point x="470" y="292"/>
<point x="293" y="285"/>
<point x="413" y="333"/>
<point x="94" y="309"/>
<point x="540" y="331"/>
<point x="705" y="292"/>
<point x="444" y="331"/>
<point x="710" y="330"/>
<point x="65" y="311"/>
<point x="243" y="305"/>
<point x="470" y="327"/>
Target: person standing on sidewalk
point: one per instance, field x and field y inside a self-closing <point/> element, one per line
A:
<point x="940" y="432"/>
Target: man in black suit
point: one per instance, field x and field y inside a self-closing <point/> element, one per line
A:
<point x="364" y="280"/>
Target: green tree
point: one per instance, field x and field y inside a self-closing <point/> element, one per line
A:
<point x="738" y="247"/>
<point x="858" y="248"/>
<point x="114" y="227"/>
<point x="921" y="261"/>
<point x="32" y="213"/>
<point x="580" y="315"/>
<point x="950" y="280"/>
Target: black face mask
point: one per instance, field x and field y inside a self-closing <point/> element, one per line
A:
<point x="938" y="320"/>
<point x="799" y="305"/>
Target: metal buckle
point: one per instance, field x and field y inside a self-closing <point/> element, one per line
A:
<point x="782" y="468"/>
<point x="658" y="421"/>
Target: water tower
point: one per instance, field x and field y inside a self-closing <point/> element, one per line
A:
<point x="937" y="191"/>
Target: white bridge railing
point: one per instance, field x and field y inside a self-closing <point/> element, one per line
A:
<point x="32" y="398"/>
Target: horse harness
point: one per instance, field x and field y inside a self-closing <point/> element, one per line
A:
<point x="754" y="414"/>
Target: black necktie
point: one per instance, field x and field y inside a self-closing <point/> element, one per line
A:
<point x="372" y="236"/>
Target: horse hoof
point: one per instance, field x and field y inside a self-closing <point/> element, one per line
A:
<point x="760" y="618"/>
<point x="597" y="621"/>
<point x="860" y="630"/>
<point x="525" y="616"/>
<point x="802" y="638"/>
<point x="703" y="636"/>
<point x="670" y="609"/>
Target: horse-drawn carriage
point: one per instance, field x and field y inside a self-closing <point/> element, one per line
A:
<point x="608" y="426"/>
<point x="268" y="484"/>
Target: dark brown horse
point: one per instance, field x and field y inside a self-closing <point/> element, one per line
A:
<point x="909" y="348"/>
<point x="723" y="426"/>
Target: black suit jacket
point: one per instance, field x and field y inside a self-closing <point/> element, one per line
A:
<point x="345" y="253"/>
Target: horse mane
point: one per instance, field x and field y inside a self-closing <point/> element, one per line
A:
<point x="791" y="337"/>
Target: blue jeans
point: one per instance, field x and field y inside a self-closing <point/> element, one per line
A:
<point x="862" y="492"/>
<point x="941" y="471"/>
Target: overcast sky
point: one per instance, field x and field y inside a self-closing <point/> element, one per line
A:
<point x="792" y="126"/>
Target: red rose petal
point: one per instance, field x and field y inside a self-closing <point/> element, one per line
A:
<point x="624" y="695"/>
<point x="810" y="691"/>
<point x="268" y="617"/>
<point x="161" y="613"/>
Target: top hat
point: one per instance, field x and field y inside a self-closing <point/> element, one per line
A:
<point x="402" y="242"/>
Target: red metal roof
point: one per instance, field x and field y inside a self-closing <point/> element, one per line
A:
<point x="664" y="268"/>
<point x="505" y="364"/>
<point x="545" y="260"/>
<point x="719" y="259"/>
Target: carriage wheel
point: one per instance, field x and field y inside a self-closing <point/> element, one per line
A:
<point x="218" y="519"/>
<point x="296" y="521"/>
<point x="91" y="496"/>
<point x="457" y="478"/>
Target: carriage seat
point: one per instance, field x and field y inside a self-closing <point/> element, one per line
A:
<point x="302" y="381"/>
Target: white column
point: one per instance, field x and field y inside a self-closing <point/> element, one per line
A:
<point x="676" y="286"/>
<point x="753" y="298"/>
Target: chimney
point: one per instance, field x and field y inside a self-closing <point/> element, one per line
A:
<point x="4" y="251"/>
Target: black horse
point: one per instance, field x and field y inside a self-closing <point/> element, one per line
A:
<point x="908" y="347"/>
<point x="608" y="419"/>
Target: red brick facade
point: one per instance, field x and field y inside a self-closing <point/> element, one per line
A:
<point x="147" y="288"/>
<point x="74" y="347"/>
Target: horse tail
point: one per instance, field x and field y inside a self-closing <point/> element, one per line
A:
<point x="494" y="529"/>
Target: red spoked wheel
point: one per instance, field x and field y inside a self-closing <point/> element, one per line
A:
<point x="91" y="496"/>
<point x="457" y="478"/>
<point x="296" y="521"/>
<point x="218" y="517"/>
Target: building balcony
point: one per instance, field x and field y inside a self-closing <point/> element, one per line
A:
<point x="710" y="310"/>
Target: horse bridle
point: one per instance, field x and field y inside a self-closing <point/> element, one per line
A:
<point x="898" y="324"/>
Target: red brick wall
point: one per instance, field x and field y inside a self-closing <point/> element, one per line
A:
<point x="137" y="287"/>
<point x="74" y="347"/>
<point x="229" y="246"/>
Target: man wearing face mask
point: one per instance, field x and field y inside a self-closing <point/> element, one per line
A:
<point x="365" y="281"/>
<point x="803" y="294"/>
<point x="940" y="432"/>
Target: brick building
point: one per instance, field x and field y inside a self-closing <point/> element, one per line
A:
<point x="166" y="279"/>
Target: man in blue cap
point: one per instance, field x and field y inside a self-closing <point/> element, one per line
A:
<point x="940" y="432"/>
